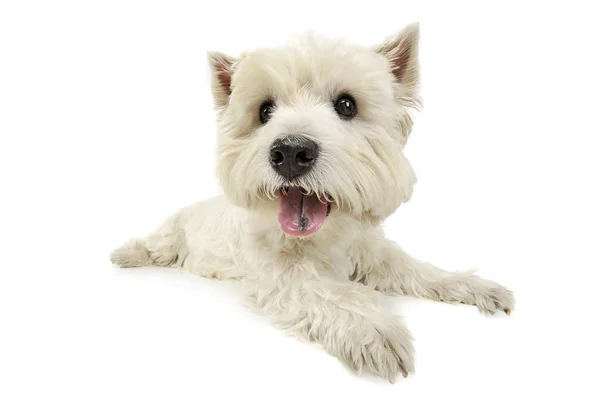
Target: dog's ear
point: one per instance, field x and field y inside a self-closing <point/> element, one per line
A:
<point x="221" y="66"/>
<point x="402" y="52"/>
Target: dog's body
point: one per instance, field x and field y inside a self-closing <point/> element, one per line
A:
<point x="310" y="156"/>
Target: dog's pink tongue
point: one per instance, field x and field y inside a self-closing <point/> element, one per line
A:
<point x="301" y="215"/>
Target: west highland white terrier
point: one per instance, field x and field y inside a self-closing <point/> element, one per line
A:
<point x="310" y="159"/>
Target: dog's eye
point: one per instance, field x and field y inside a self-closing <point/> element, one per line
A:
<point x="345" y="107"/>
<point x="266" y="109"/>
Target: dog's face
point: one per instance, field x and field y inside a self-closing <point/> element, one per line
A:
<point x="317" y="128"/>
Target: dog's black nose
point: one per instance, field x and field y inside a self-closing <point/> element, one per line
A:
<point x="293" y="156"/>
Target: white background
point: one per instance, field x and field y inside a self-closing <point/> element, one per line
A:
<point x="107" y="127"/>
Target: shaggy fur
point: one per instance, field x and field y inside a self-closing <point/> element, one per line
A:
<point x="326" y="287"/>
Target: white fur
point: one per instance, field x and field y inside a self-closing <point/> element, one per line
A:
<point x="326" y="287"/>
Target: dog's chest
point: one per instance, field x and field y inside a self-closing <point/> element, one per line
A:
<point x="320" y="257"/>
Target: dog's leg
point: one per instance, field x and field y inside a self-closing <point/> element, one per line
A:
<point x="394" y="272"/>
<point x="160" y="248"/>
<point x="345" y="317"/>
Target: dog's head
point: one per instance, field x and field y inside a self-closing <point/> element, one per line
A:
<point x="317" y="127"/>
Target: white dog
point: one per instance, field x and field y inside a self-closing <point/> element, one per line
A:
<point x="310" y="158"/>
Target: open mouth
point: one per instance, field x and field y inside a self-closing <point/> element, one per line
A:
<point x="302" y="214"/>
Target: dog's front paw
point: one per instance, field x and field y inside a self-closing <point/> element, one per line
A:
<point x="384" y="351"/>
<point x="490" y="297"/>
